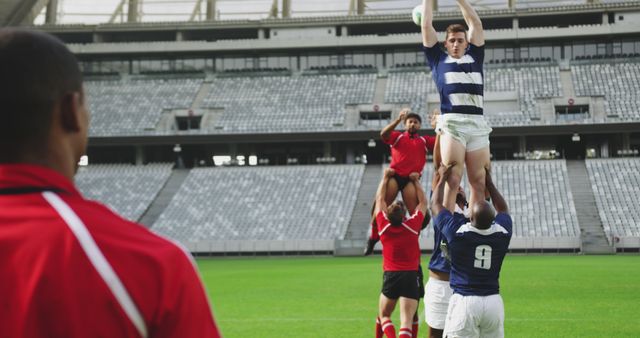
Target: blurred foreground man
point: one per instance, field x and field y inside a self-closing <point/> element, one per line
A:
<point x="71" y="267"/>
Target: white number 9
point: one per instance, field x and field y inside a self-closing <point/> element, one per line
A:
<point x="483" y="257"/>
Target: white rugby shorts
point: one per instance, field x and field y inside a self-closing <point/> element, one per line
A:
<point x="475" y="316"/>
<point x="436" y="302"/>
<point x="470" y="130"/>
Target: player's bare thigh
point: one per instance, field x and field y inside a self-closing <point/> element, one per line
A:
<point x="476" y="162"/>
<point x="410" y="197"/>
<point x="452" y="151"/>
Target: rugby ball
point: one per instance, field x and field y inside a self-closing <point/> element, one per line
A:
<point x="416" y="15"/>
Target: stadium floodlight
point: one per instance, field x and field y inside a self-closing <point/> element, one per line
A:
<point x="177" y="148"/>
<point x="371" y="143"/>
<point x="575" y="137"/>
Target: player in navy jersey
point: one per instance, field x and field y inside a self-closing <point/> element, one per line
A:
<point x="477" y="249"/>
<point x="437" y="289"/>
<point x="458" y="74"/>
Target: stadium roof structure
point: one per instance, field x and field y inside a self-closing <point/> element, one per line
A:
<point x="96" y="12"/>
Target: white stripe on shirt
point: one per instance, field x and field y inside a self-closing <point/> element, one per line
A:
<point x="462" y="99"/>
<point x="409" y="228"/>
<point x="462" y="77"/>
<point x="495" y="228"/>
<point x="464" y="59"/>
<point x="97" y="259"/>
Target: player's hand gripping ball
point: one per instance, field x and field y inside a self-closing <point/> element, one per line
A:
<point x="416" y="15"/>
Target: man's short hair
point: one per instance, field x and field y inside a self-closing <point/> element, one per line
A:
<point x="395" y="213"/>
<point x="36" y="70"/>
<point x="456" y="28"/>
<point x="413" y="116"/>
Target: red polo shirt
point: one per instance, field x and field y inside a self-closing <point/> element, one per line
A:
<point x="409" y="153"/>
<point x="55" y="284"/>
<point x="400" y="244"/>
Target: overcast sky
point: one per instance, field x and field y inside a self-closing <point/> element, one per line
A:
<point x="98" y="11"/>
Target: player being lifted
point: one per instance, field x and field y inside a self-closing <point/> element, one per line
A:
<point x="408" y="155"/>
<point x="458" y="74"/>
<point x="477" y="249"/>
<point x="401" y="258"/>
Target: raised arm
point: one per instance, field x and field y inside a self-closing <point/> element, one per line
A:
<point x="422" y="198"/>
<point x="476" y="33"/>
<point x="386" y="131"/>
<point x="381" y="204"/>
<point x="496" y="197"/>
<point x="429" y="36"/>
<point x="437" y="198"/>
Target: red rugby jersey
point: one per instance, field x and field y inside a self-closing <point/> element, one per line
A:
<point x="72" y="268"/>
<point x="400" y="244"/>
<point x="409" y="154"/>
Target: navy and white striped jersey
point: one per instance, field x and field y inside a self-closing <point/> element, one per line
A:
<point x="476" y="255"/>
<point x="459" y="81"/>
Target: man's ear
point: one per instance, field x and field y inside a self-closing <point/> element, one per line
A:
<point x="70" y="109"/>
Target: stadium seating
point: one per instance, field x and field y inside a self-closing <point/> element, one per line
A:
<point x="409" y="87"/>
<point x="619" y="83"/>
<point x="287" y="103"/>
<point x="262" y="203"/>
<point x="273" y="103"/>
<point x="530" y="82"/>
<point x="134" y="107"/>
<point x="539" y="197"/>
<point x="127" y="189"/>
<point x="616" y="186"/>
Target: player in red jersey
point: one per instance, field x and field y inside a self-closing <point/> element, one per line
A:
<point x="71" y="267"/>
<point x="401" y="258"/>
<point x="408" y="155"/>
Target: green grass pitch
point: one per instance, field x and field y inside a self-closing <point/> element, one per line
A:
<point x="545" y="296"/>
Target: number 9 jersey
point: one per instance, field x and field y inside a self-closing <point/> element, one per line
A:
<point x="476" y="254"/>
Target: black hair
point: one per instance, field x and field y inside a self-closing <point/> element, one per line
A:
<point x="415" y="116"/>
<point x="36" y="70"/>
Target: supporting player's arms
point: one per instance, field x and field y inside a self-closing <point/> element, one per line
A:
<point x="386" y="131"/>
<point x="437" y="160"/>
<point x="496" y="197"/>
<point x="422" y="199"/>
<point x="438" y="193"/>
<point x="476" y="32"/>
<point x="381" y="203"/>
<point x="429" y="37"/>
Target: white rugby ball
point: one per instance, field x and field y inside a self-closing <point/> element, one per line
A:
<point x="416" y="15"/>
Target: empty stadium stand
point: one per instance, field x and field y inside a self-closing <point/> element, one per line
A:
<point x="410" y="87"/>
<point x="263" y="204"/>
<point x="274" y="103"/>
<point x="133" y="107"/>
<point x="530" y="82"/>
<point x="619" y="83"/>
<point x="616" y="186"/>
<point x="539" y="197"/>
<point x="126" y="189"/>
<point x="287" y="103"/>
<point x="307" y="208"/>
